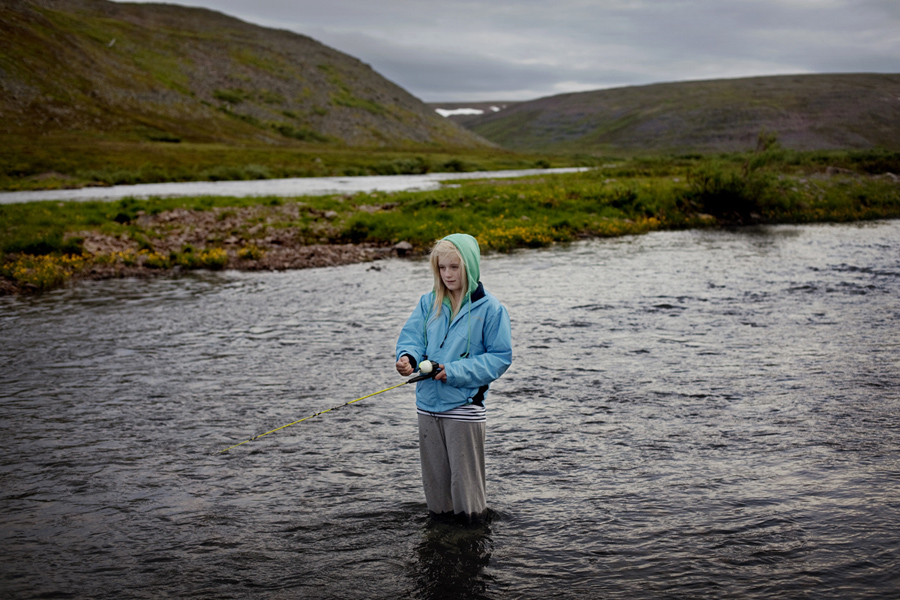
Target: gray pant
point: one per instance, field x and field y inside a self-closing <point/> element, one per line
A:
<point x="452" y="455"/>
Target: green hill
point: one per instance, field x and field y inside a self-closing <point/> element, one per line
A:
<point x="807" y="112"/>
<point x="165" y="73"/>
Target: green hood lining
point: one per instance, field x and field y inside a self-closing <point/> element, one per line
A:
<point x="471" y="255"/>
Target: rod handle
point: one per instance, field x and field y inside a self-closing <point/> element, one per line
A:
<point x="424" y="376"/>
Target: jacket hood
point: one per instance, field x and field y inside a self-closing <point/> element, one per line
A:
<point x="471" y="255"/>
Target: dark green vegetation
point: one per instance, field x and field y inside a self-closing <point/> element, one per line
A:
<point x="68" y="162"/>
<point x="639" y="195"/>
<point x="809" y="112"/>
<point x="44" y="243"/>
<point x="100" y="92"/>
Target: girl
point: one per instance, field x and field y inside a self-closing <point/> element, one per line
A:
<point x="466" y="331"/>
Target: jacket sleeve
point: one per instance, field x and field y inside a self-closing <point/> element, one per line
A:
<point x="476" y="371"/>
<point x="412" y="336"/>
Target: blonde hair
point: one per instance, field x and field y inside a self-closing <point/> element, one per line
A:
<point x="446" y="249"/>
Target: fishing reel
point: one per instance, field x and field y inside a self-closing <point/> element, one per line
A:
<point x="427" y="370"/>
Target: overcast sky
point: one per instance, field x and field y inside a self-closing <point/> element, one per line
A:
<point x="466" y="50"/>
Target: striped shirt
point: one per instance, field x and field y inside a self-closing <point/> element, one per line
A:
<point x="467" y="412"/>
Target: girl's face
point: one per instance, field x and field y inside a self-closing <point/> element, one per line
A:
<point x="451" y="272"/>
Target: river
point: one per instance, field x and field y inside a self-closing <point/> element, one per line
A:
<point x="693" y="414"/>
<point x="297" y="186"/>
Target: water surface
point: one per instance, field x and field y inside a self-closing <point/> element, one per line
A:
<point x="296" y="186"/>
<point x="700" y="414"/>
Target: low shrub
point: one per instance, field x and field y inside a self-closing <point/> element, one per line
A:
<point x="512" y="236"/>
<point x="44" y="271"/>
<point x="727" y="193"/>
<point x="251" y="252"/>
<point x="155" y="260"/>
<point x="213" y="258"/>
<point x="402" y="166"/>
<point x="456" y="165"/>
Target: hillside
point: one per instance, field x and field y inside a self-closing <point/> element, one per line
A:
<point x="807" y="112"/>
<point x="165" y="73"/>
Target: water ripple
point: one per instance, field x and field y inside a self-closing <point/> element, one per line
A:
<point x="689" y="414"/>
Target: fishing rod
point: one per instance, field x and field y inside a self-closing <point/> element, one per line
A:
<point x="427" y="370"/>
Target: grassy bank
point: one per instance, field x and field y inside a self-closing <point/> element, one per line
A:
<point x="71" y="161"/>
<point x="46" y="244"/>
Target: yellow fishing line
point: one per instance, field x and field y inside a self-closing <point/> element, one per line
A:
<point x="315" y="415"/>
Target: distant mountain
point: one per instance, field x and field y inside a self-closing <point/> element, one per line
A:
<point x="807" y="112"/>
<point x="170" y="73"/>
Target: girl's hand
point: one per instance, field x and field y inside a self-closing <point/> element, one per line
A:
<point x="442" y="376"/>
<point x="403" y="366"/>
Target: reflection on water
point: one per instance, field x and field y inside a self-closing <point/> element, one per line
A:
<point x="450" y="561"/>
<point x="689" y="414"/>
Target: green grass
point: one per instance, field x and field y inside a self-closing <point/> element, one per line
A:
<point x="628" y="197"/>
<point x="76" y="160"/>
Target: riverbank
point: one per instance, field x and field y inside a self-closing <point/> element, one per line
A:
<point x="48" y="244"/>
<point x="146" y="243"/>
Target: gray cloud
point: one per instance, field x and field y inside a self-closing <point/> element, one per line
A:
<point x="464" y="75"/>
<point x="461" y="50"/>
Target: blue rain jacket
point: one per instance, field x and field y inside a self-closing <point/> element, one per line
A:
<point x="475" y="346"/>
<point x="475" y="349"/>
